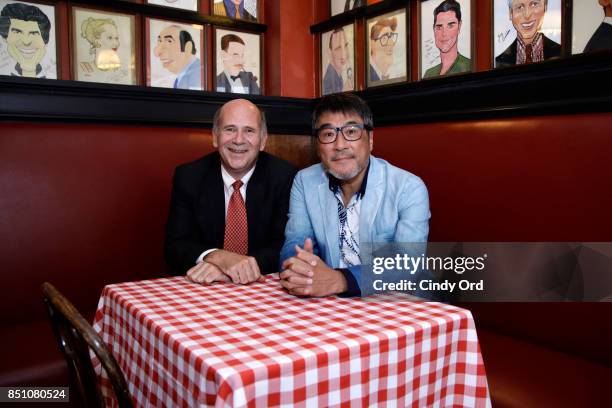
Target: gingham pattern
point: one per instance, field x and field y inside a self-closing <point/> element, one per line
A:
<point x="183" y="344"/>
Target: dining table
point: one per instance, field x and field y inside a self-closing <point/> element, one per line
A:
<point x="182" y="344"/>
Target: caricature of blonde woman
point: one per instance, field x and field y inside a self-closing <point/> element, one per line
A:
<point x="103" y="37"/>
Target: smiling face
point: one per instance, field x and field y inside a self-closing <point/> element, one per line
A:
<point x="527" y="17"/>
<point x="25" y="44"/>
<point x="168" y="50"/>
<point x="343" y="159"/>
<point x="109" y="39"/>
<point x="239" y="137"/>
<point x="446" y="31"/>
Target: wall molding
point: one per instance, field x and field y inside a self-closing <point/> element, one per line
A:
<point x="80" y="102"/>
<point x="581" y="83"/>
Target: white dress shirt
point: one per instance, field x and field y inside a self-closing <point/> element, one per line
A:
<point x="228" y="180"/>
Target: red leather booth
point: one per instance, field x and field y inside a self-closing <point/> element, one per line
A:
<point x="82" y="206"/>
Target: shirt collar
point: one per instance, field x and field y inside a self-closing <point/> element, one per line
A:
<point x="607" y="20"/>
<point x="17" y="71"/>
<point x="334" y="183"/>
<point x="228" y="180"/>
<point x="534" y="42"/>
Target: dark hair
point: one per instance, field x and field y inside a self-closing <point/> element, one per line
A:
<point x="184" y="38"/>
<point x="448" y="5"/>
<point x="345" y="103"/>
<point x="336" y="31"/>
<point x="25" y="12"/>
<point x="228" y="38"/>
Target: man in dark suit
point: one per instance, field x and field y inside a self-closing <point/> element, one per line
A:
<point x="234" y="77"/>
<point x="602" y="37"/>
<point x="530" y="45"/>
<point x="229" y="209"/>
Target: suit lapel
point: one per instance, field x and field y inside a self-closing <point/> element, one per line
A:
<point x="371" y="202"/>
<point x="255" y="195"/>
<point x="329" y="217"/>
<point x="212" y="202"/>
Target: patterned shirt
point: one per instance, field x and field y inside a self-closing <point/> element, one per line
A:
<point x="537" y="50"/>
<point x="348" y="218"/>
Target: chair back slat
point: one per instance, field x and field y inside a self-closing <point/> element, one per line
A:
<point x="76" y="338"/>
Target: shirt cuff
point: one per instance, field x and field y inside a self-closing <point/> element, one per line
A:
<point x="203" y="255"/>
<point x="352" y="287"/>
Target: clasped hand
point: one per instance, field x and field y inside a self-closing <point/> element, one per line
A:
<point x="305" y="274"/>
<point x="225" y="266"/>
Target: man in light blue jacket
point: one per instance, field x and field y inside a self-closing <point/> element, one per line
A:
<point x="347" y="203"/>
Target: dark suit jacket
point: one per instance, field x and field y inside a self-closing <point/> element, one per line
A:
<point x="197" y="211"/>
<point x="508" y="57"/>
<point x="601" y="39"/>
<point x="246" y="77"/>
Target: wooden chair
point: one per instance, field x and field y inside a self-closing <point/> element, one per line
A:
<point x="75" y="338"/>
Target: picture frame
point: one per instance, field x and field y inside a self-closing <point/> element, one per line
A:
<point x="189" y="5"/>
<point x="41" y="57"/>
<point x="549" y="22"/>
<point x="104" y="46"/>
<point x="175" y="54"/>
<point x="248" y="10"/>
<point x="446" y="38"/>
<point x="387" y="58"/>
<point x="342" y="6"/>
<point x="337" y="70"/>
<point x="590" y="33"/>
<point x="238" y="57"/>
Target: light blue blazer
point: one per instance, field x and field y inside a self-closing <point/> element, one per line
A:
<point x="395" y="208"/>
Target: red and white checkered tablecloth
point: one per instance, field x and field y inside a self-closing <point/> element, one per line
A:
<point x="225" y="345"/>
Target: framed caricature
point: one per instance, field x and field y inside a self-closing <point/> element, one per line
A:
<point x="28" y="45"/>
<point x="191" y="5"/>
<point x="338" y="60"/>
<point x="341" y="6"/>
<point x="386" y="42"/>
<point x="175" y="55"/>
<point x="526" y="31"/>
<point x="445" y="41"/>
<point x="103" y="46"/>
<point x="238" y="62"/>
<point x="591" y="26"/>
<point x="236" y="9"/>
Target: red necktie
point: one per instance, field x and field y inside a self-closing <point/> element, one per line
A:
<point x="528" y="52"/>
<point x="236" y="228"/>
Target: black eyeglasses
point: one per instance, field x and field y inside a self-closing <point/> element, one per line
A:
<point x="386" y="38"/>
<point x="351" y="133"/>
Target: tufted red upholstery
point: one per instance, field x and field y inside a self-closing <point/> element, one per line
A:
<point x="81" y="207"/>
<point x="543" y="178"/>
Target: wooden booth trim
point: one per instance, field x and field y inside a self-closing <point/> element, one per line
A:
<point x="576" y="84"/>
<point x="81" y="102"/>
